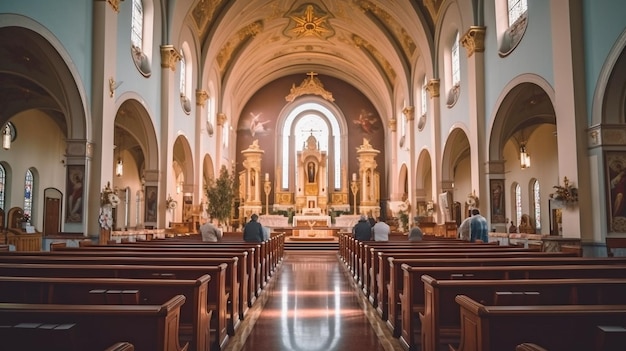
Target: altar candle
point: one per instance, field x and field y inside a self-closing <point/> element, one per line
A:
<point x="354" y="177"/>
<point x="267" y="177"/>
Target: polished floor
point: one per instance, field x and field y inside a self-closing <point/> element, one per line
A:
<point x="312" y="305"/>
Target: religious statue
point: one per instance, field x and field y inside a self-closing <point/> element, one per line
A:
<point x="311" y="172"/>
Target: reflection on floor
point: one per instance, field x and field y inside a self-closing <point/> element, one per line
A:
<point x="312" y="304"/>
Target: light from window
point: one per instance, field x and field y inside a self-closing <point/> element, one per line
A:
<point x="3" y="182"/>
<point x="136" y="33"/>
<point x="28" y="193"/>
<point x="518" y="203"/>
<point x="183" y="71"/>
<point x="516" y="9"/>
<point x="537" y="206"/>
<point x="307" y="126"/>
<point x="456" y="66"/>
<point x="424" y="97"/>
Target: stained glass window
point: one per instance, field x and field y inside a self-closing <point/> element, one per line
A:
<point x="516" y="9"/>
<point x="3" y="181"/>
<point x="456" y="65"/>
<point x="28" y="193"/>
<point x="136" y="33"/>
<point x="518" y="203"/>
<point x="537" y="203"/>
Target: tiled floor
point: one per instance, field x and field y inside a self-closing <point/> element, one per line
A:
<point x="311" y="305"/>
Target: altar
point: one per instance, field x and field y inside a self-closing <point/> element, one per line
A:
<point x="311" y="221"/>
<point x="314" y="233"/>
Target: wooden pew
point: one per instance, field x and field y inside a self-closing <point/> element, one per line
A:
<point x="153" y="267"/>
<point x="527" y="347"/>
<point x="554" y="327"/>
<point x="121" y="346"/>
<point x="242" y="277"/>
<point x="392" y="279"/>
<point x="614" y="243"/>
<point x="441" y="321"/>
<point x="147" y="327"/>
<point x="194" y="314"/>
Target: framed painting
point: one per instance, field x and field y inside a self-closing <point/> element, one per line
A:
<point x="151" y="204"/>
<point x="496" y="200"/>
<point x="74" y="198"/>
<point x="615" y="163"/>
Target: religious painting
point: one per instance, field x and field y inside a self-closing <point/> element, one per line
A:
<point x="151" y="204"/>
<point x="74" y="188"/>
<point x="496" y="193"/>
<point x="615" y="162"/>
<point x="256" y="125"/>
<point x="367" y="121"/>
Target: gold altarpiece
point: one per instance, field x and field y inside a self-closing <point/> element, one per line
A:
<point x="250" y="182"/>
<point x="369" y="179"/>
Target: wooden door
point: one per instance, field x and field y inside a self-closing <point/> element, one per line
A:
<point x="52" y="216"/>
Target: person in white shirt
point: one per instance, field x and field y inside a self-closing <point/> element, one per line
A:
<point x="380" y="230"/>
<point x="210" y="232"/>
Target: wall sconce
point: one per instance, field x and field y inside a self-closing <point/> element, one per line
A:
<point x="524" y="157"/>
<point x="6" y="137"/>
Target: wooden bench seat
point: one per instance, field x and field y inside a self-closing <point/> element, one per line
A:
<point x="441" y="321"/>
<point x="121" y="346"/>
<point x="555" y="327"/>
<point x="147" y="327"/>
<point x="391" y="279"/>
<point x="195" y="316"/>
<point x="217" y="297"/>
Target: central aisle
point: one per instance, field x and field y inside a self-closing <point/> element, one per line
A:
<point x="312" y="305"/>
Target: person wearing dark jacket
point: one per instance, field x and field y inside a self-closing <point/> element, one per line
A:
<point x="253" y="230"/>
<point x="362" y="230"/>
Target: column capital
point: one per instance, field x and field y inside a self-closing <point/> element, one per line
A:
<point x="474" y="40"/>
<point x="169" y="57"/>
<point x="221" y="118"/>
<point x="201" y="97"/>
<point x="432" y="87"/>
<point x="409" y="113"/>
<point x="393" y="124"/>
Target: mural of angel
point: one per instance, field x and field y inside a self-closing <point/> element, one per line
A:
<point x="256" y="125"/>
<point x="366" y="121"/>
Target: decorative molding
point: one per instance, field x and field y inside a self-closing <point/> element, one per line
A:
<point x="235" y="42"/>
<point x="409" y="113"/>
<point x="203" y="14"/>
<point x="474" y="40"/>
<point x="310" y="85"/>
<point x="169" y="57"/>
<point x="432" y="87"/>
<point x="495" y="167"/>
<point x="201" y="97"/>
<point x="433" y="7"/>
<point x="402" y="37"/>
<point x="393" y="124"/>
<point x="377" y="56"/>
<point x="606" y="135"/>
<point x="221" y="119"/>
<point x="309" y="20"/>
<point x="115" y="4"/>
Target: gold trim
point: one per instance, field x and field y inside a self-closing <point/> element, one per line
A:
<point x="393" y="124"/>
<point x="474" y="40"/>
<point x="432" y="87"/>
<point x="409" y="113"/>
<point x="169" y="57"/>
<point x="310" y="85"/>
<point x="201" y="97"/>
<point x="221" y="118"/>
<point x="115" y="4"/>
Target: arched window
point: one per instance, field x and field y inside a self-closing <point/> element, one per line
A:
<point x="28" y="193"/>
<point x="302" y="121"/>
<point x="3" y="183"/>
<point x="136" y="33"/>
<point x="537" y="205"/>
<point x="183" y="75"/>
<point x="518" y="203"/>
<point x="424" y="97"/>
<point x="456" y="65"/>
<point x="516" y="9"/>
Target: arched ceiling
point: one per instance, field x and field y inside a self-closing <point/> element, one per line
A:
<point x="371" y="44"/>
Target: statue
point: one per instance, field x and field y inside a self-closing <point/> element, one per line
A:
<point x="311" y="172"/>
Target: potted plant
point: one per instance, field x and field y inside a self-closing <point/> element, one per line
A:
<point x="220" y="194"/>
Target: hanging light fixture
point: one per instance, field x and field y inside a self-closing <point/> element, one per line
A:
<point x="119" y="166"/>
<point x="6" y="137"/>
<point x="524" y="157"/>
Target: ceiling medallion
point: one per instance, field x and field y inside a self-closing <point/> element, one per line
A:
<point x="311" y="85"/>
<point x="309" y="21"/>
